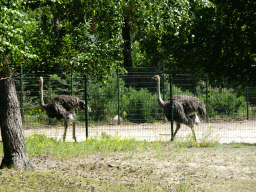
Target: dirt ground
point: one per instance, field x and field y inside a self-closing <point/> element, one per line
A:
<point x="163" y="167"/>
<point x="224" y="131"/>
<point x="168" y="169"/>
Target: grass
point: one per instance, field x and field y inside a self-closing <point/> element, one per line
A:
<point x="208" y="140"/>
<point x="15" y="180"/>
<point x="183" y="185"/>
<point x="126" y="150"/>
<point x="40" y="144"/>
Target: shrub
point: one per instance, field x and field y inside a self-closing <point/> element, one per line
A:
<point x="222" y="101"/>
<point x="103" y="98"/>
<point x="140" y="106"/>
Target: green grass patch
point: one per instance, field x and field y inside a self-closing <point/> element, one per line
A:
<point x="208" y="140"/>
<point x="138" y="163"/>
<point x="16" y="180"/>
<point x="40" y="144"/>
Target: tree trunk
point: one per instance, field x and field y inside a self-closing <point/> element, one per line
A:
<point x="13" y="138"/>
<point x="56" y="28"/>
<point x="129" y="80"/>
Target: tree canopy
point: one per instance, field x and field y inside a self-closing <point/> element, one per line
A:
<point x="214" y="37"/>
<point x="224" y="41"/>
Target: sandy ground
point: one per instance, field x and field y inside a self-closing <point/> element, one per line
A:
<point x="165" y="169"/>
<point x="225" y="132"/>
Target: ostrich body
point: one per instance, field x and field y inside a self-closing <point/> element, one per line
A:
<point x="62" y="107"/>
<point x="192" y="105"/>
<point x="185" y="109"/>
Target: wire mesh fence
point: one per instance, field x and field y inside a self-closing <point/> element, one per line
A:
<point x="127" y="106"/>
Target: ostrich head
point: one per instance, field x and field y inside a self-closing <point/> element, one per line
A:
<point x="41" y="80"/>
<point x="156" y="77"/>
<point x="82" y="106"/>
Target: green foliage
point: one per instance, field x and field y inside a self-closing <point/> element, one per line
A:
<point x="222" y="101"/>
<point x="16" y="29"/>
<point x="38" y="144"/>
<point x="103" y="98"/>
<point x="134" y="105"/>
<point x="222" y="42"/>
<point x="141" y="105"/>
<point x="85" y="42"/>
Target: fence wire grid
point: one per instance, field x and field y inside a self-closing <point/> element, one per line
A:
<point x="127" y="106"/>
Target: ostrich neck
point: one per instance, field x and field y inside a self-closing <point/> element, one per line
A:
<point x="159" y="98"/>
<point x="42" y="95"/>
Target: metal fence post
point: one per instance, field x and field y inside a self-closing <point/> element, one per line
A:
<point x="163" y="88"/>
<point x="206" y="95"/>
<point x="247" y="103"/>
<point x="118" y="97"/>
<point x="71" y="78"/>
<point x="86" y="106"/>
<point x="171" y="93"/>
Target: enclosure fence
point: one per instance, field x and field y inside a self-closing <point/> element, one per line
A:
<point x="127" y="106"/>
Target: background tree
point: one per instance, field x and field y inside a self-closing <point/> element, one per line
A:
<point x="223" y="43"/>
<point x="27" y="39"/>
<point x="15" y="29"/>
<point x="92" y="52"/>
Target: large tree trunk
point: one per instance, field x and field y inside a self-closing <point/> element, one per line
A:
<point x="13" y="138"/>
<point x="129" y="80"/>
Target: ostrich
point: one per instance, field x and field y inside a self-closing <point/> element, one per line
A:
<point x="190" y="106"/>
<point x="62" y="107"/>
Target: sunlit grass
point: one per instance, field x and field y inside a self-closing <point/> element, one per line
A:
<point x="40" y="144"/>
<point x="16" y="180"/>
<point x="208" y="140"/>
<point x="128" y="150"/>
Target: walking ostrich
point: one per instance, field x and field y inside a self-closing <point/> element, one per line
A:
<point x="190" y="105"/>
<point x="62" y="107"/>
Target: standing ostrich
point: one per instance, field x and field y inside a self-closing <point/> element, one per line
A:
<point x="190" y="106"/>
<point x="62" y="107"/>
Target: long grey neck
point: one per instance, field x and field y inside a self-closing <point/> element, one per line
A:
<point x="42" y="96"/>
<point x="160" y="100"/>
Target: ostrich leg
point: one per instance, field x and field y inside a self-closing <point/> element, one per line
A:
<point x="65" y="129"/>
<point x="192" y="128"/>
<point x="72" y="117"/>
<point x="191" y="124"/>
<point x="177" y="129"/>
<point x="74" y="126"/>
<point x="74" y="130"/>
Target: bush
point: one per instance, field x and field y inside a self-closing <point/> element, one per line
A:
<point x="222" y="101"/>
<point x="140" y="106"/>
<point x="103" y="98"/>
<point x="135" y="105"/>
